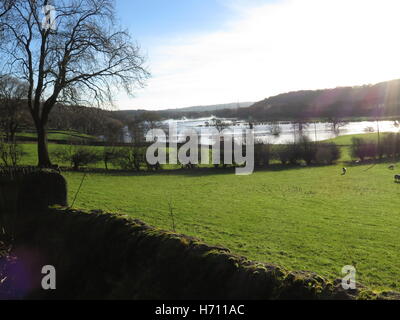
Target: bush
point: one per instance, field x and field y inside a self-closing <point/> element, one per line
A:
<point x="288" y="153"/>
<point x="10" y="153"/>
<point x="307" y="149"/>
<point x="262" y="155"/>
<point x="327" y="153"/>
<point x="130" y="158"/>
<point x="221" y="163"/>
<point x="390" y="145"/>
<point x="77" y="155"/>
<point x="112" y="155"/>
<point x="283" y="153"/>
<point x="363" y="149"/>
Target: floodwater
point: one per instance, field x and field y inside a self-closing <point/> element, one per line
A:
<point x="277" y="133"/>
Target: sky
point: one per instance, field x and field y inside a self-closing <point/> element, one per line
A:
<point x="202" y="52"/>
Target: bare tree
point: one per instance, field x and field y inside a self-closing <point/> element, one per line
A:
<point x="137" y="130"/>
<point x="300" y="125"/>
<point x="5" y="6"/>
<point x="73" y="54"/>
<point x="219" y="124"/>
<point x="12" y="100"/>
<point x="113" y="130"/>
<point x="140" y="125"/>
<point x="336" y="123"/>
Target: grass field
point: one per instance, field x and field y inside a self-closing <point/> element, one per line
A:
<point x="309" y="219"/>
<point x="59" y="135"/>
<point x="346" y="139"/>
<point x="30" y="154"/>
<point x="300" y="218"/>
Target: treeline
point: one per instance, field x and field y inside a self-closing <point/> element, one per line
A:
<point x="332" y="105"/>
<point x="15" y="115"/>
<point x="302" y="151"/>
<point x="133" y="158"/>
<point x="388" y="147"/>
<point x="15" y="118"/>
<point x="91" y="121"/>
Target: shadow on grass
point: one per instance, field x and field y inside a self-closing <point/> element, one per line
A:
<point x="354" y="163"/>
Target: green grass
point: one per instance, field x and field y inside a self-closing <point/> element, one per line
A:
<point x="300" y="218"/>
<point x="30" y="154"/>
<point x="303" y="219"/>
<point x="346" y="139"/>
<point x="59" y="135"/>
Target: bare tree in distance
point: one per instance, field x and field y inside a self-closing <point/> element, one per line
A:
<point x="12" y="100"/>
<point x="82" y="58"/>
<point x="140" y="125"/>
<point x="336" y="123"/>
<point x="219" y="124"/>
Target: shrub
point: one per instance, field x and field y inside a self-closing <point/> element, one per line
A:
<point x="283" y="153"/>
<point x="363" y="149"/>
<point x="390" y="145"/>
<point x="221" y="163"/>
<point x="294" y="153"/>
<point x="327" y="153"/>
<point x="262" y="155"/>
<point x="288" y="153"/>
<point x="77" y="155"/>
<point x="112" y="155"/>
<point x="130" y="158"/>
<point x="307" y="149"/>
<point x="10" y="153"/>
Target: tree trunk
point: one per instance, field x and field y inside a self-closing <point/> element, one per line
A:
<point x="13" y="131"/>
<point x="43" y="152"/>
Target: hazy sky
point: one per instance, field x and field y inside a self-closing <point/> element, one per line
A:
<point x="218" y="51"/>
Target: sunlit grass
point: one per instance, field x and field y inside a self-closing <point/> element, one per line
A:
<point x="309" y="219"/>
<point x="301" y="218"/>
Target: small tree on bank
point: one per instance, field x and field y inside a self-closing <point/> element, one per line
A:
<point x="10" y="153"/>
<point x="81" y="57"/>
<point x="12" y="109"/>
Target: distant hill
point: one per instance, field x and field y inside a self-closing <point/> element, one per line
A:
<point x="234" y="105"/>
<point x="191" y="112"/>
<point x="382" y="99"/>
<point x="214" y="107"/>
<point x="368" y="101"/>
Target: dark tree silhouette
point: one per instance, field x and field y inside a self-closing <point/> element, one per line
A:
<point x="74" y="54"/>
<point x="336" y="123"/>
<point x="12" y="115"/>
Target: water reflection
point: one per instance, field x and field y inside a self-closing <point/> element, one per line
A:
<point x="279" y="132"/>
